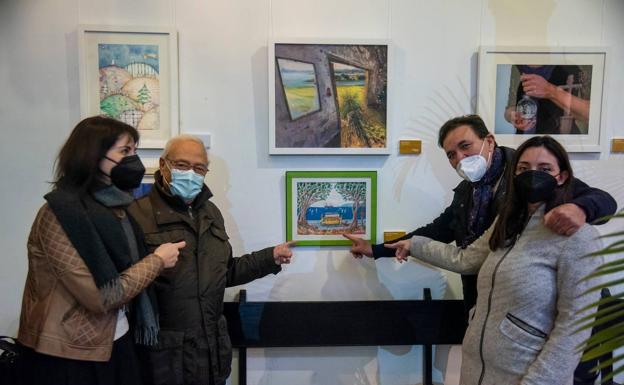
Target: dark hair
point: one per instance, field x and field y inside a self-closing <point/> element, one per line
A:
<point x="474" y="121"/>
<point x="77" y="164"/>
<point x="514" y="213"/>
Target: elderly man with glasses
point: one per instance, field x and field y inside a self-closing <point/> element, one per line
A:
<point x="194" y="346"/>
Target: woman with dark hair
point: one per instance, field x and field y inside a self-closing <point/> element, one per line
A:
<point x="84" y="297"/>
<point x="530" y="291"/>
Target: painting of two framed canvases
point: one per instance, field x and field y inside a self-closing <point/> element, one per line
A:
<point x="328" y="98"/>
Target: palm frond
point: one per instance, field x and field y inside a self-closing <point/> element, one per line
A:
<point x="600" y="313"/>
<point x="602" y="302"/>
<point x="607" y="317"/>
<point x="601" y="273"/>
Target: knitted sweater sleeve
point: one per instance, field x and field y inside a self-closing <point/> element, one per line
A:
<point x="451" y="257"/>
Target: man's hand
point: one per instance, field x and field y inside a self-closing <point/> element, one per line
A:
<point x="402" y="249"/>
<point x="537" y="87"/>
<point x="565" y="219"/>
<point x="282" y="252"/>
<point x="360" y="247"/>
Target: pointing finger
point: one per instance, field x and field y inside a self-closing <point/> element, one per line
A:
<point x="350" y="237"/>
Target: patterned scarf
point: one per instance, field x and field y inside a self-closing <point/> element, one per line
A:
<point x="482" y="196"/>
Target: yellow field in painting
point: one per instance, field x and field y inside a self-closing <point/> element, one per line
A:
<point x="301" y="100"/>
<point x="373" y="120"/>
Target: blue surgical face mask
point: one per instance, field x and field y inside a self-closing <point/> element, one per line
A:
<point x="185" y="184"/>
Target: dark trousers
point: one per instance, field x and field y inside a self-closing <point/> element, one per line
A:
<point x="583" y="374"/>
<point x="121" y="369"/>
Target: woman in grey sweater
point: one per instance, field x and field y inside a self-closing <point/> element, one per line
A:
<point x="529" y="284"/>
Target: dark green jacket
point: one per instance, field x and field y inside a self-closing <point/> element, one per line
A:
<point x="194" y="345"/>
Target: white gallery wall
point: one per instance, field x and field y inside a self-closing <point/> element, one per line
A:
<point x="223" y="92"/>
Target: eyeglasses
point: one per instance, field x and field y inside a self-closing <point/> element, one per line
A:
<point x="183" y="165"/>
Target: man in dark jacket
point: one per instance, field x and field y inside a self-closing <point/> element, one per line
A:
<point x="194" y="346"/>
<point x="484" y="166"/>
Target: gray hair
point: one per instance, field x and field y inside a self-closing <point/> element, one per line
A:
<point x="181" y="138"/>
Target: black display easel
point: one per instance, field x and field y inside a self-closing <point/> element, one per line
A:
<point x="424" y="322"/>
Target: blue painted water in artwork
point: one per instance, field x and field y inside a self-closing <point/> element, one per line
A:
<point x="346" y="213"/>
<point x="298" y="79"/>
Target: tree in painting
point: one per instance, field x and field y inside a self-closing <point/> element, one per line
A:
<point x="362" y="109"/>
<point x="309" y="193"/>
<point x="354" y="192"/>
<point x="353" y="115"/>
<point x="144" y="95"/>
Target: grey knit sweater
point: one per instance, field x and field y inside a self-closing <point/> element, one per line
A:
<point x="520" y="330"/>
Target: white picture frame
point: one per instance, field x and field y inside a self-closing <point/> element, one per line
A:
<point x="499" y="72"/>
<point x="131" y="74"/>
<point x="299" y="133"/>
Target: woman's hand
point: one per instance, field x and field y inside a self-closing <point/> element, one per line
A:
<point x="168" y="253"/>
<point x="402" y="249"/>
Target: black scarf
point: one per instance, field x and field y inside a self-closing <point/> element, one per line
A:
<point x="99" y="238"/>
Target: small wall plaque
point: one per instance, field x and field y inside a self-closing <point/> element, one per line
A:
<point x="392" y="235"/>
<point x="410" y="147"/>
<point x="617" y="145"/>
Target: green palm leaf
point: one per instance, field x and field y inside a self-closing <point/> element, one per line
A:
<point x="607" y="316"/>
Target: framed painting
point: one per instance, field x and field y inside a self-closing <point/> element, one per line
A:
<point x="321" y="206"/>
<point x="328" y="97"/>
<point x="526" y="91"/>
<point x="131" y="74"/>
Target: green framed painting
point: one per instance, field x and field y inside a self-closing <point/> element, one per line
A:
<point x="321" y="206"/>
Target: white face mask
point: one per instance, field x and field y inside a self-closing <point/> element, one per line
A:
<point x="473" y="167"/>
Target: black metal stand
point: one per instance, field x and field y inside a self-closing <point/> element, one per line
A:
<point x="352" y="323"/>
<point x="242" y="350"/>
<point x="427" y="350"/>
